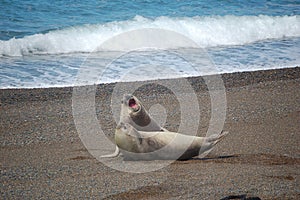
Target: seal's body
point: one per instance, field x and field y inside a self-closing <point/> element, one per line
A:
<point x="141" y="145"/>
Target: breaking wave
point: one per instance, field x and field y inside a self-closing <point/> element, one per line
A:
<point x="210" y="31"/>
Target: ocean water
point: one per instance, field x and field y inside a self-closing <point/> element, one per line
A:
<point x="48" y="43"/>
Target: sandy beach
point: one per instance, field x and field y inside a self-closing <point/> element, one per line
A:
<point x="42" y="156"/>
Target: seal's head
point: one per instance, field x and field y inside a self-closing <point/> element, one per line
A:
<point x="132" y="103"/>
<point x="136" y="112"/>
<point x="127" y="138"/>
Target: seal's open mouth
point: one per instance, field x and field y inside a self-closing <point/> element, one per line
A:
<point x="132" y="104"/>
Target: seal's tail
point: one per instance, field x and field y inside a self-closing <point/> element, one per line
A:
<point x="210" y="142"/>
<point x="215" y="138"/>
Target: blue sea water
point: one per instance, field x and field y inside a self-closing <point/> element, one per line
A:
<point x="45" y="43"/>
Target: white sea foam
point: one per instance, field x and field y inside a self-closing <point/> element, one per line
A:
<point x="209" y="31"/>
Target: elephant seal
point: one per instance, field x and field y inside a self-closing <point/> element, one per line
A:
<point x="141" y="145"/>
<point x="133" y="112"/>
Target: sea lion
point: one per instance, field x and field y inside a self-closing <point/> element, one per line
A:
<point x="141" y="145"/>
<point x="133" y="112"/>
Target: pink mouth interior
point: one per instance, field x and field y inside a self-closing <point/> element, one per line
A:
<point x="132" y="104"/>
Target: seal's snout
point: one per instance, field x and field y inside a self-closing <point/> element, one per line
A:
<point x="132" y="103"/>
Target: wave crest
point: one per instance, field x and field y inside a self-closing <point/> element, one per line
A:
<point x="205" y="31"/>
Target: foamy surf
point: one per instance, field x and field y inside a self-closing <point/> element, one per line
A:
<point x="210" y="31"/>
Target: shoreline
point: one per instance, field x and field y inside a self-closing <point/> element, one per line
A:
<point x="223" y="75"/>
<point x="42" y="155"/>
<point x="235" y="79"/>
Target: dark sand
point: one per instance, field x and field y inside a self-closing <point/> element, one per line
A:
<point x="42" y="156"/>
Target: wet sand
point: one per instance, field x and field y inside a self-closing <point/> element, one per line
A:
<point x="42" y="155"/>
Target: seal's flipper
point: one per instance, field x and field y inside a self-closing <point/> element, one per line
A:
<point x="215" y="138"/>
<point x="209" y="143"/>
<point x="115" y="154"/>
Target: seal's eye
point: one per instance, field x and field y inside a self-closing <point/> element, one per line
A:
<point x="124" y="127"/>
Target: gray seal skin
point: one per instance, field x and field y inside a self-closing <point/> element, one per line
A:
<point x="133" y="112"/>
<point x="141" y="145"/>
